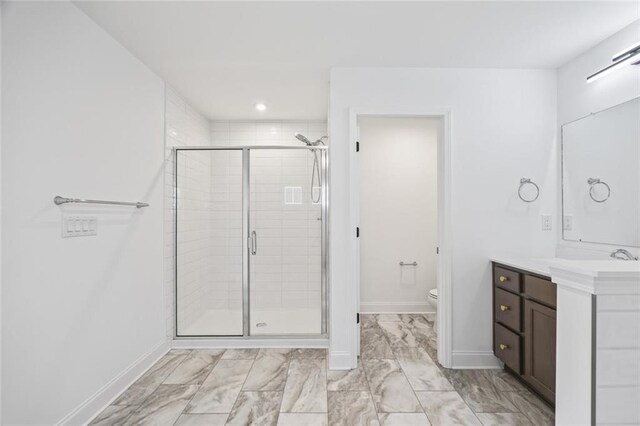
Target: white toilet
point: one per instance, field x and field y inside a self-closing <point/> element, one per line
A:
<point x="433" y="301"/>
<point x="433" y="298"/>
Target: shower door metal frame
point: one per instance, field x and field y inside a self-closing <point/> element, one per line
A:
<point x="246" y="224"/>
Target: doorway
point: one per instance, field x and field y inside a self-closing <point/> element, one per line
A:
<point x="401" y="181"/>
<point x="398" y="214"/>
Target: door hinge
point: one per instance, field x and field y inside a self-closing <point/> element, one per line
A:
<point x="357" y="146"/>
<point x="357" y="232"/>
<point x="357" y="318"/>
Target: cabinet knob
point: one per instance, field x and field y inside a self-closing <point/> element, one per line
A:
<point x="503" y="279"/>
<point x="503" y="346"/>
<point x="504" y="308"/>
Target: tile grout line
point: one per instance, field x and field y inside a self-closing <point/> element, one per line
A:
<point x="366" y="374"/>
<point x="199" y="386"/>
<point x="326" y="372"/>
<point x="137" y="406"/>
<point x="253" y="361"/>
<point x="522" y="412"/>
<point x="465" y="402"/>
<point x="403" y="373"/>
<point x="414" y="391"/>
<point x="411" y="386"/>
<point x="373" y="403"/>
<point x="455" y="390"/>
<point x="289" y="357"/>
<point x="407" y="378"/>
<point x="155" y="388"/>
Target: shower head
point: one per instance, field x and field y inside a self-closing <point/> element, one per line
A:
<point x="303" y="139"/>
<point x="306" y="141"/>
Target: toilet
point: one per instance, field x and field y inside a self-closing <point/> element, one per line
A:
<point x="433" y="298"/>
<point x="433" y="301"/>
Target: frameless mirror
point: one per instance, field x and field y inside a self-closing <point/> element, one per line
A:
<point x="601" y="177"/>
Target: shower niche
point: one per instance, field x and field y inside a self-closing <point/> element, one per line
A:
<point x="250" y="243"/>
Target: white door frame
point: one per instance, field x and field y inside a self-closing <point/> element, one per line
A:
<point x="445" y="304"/>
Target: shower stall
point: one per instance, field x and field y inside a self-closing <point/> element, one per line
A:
<point x="250" y="241"/>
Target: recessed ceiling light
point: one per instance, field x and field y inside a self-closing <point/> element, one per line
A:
<point x="260" y="107"/>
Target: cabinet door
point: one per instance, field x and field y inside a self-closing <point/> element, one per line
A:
<point x="540" y="348"/>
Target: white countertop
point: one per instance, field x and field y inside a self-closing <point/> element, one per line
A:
<point x="598" y="267"/>
<point x="536" y="265"/>
<point x="595" y="276"/>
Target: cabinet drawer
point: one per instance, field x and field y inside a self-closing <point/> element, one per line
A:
<point x="507" y="309"/>
<point x="506" y="278"/>
<point x="540" y="289"/>
<point x="507" y="347"/>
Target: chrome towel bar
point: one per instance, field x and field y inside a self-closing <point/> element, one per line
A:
<point x="63" y="200"/>
<point x="409" y="264"/>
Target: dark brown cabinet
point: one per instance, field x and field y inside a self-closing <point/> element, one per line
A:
<point x="524" y="336"/>
<point x="540" y="348"/>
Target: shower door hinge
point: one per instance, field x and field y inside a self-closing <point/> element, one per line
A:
<point x="357" y="232"/>
<point x="357" y="318"/>
<point x="357" y="146"/>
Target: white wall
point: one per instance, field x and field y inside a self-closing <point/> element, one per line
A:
<point x="82" y="118"/>
<point x="398" y="163"/>
<point x="577" y="98"/>
<point x="1" y="8"/>
<point x="503" y="128"/>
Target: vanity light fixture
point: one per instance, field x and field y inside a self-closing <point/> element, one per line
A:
<point x="628" y="56"/>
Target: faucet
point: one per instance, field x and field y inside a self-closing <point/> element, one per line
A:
<point x="623" y="254"/>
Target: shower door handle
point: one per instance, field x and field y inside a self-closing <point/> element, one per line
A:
<point x="254" y="242"/>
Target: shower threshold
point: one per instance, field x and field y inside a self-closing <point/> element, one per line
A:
<point x="263" y="323"/>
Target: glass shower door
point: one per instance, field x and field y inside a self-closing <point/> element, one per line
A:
<point x="285" y="254"/>
<point x="209" y="242"/>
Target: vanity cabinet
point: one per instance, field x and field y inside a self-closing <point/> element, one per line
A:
<point x="540" y="348"/>
<point x="524" y="324"/>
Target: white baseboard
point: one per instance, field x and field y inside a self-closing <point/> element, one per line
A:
<point x="94" y="405"/>
<point x="226" y="343"/>
<point x="474" y="360"/>
<point x="396" y="307"/>
<point x="340" y="360"/>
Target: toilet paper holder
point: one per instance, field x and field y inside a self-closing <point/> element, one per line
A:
<point x="408" y="264"/>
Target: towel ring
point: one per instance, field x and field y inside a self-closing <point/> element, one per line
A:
<point x="592" y="184"/>
<point x="528" y="181"/>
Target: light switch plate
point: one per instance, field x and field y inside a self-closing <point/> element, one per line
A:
<point x="567" y="223"/>
<point x="547" y="222"/>
<point x="79" y="226"/>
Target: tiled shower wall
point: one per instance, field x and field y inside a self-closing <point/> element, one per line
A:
<point x="237" y="133"/>
<point x="287" y="274"/>
<point x="184" y="126"/>
<point x="286" y="270"/>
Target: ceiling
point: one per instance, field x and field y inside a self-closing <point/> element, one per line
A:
<point x="224" y="57"/>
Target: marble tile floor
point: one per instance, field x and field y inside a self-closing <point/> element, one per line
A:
<point x="398" y="382"/>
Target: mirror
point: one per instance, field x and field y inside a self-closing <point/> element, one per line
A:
<point x="601" y="177"/>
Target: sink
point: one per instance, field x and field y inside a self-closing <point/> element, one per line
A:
<point x="598" y="267"/>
